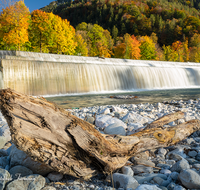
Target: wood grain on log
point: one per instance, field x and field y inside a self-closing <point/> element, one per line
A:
<point x="72" y="146"/>
<point x="165" y="119"/>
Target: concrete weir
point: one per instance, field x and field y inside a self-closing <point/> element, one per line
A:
<point x="52" y="74"/>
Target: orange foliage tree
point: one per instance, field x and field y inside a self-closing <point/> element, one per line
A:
<point x="128" y="49"/>
<point x="14" y="21"/>
<point x="132" y="47"/>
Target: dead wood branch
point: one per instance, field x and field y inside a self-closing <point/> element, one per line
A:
<point x="72" y="146"/>
<point x="165" y="119"/>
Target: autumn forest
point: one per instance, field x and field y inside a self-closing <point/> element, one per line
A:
<point x="164" y="30"/>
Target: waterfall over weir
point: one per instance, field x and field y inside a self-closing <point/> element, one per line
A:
<point x="42" y="74"/>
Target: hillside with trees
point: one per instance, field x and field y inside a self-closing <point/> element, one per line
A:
<point x="140" y="29"/>
<point x="170" y="20"/>
<point x="173" y="24"/>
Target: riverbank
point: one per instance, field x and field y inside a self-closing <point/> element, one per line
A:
<point x="150" y="96"/>
<point x="174" y="168"/>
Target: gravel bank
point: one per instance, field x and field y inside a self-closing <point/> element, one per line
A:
<point x="174" y="168"/>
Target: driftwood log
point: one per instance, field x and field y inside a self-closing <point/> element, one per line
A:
<point x="67" y="144"/>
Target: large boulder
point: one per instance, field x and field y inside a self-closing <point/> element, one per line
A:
<point x="190" y="179"/>
<point x="18" y="157"/>
<point x="19" y="171"/>
<point x="180" y="165"/>
<point x="30" y="182"/>
<point x="4" y="178"/>
<point x="124" y="181"/>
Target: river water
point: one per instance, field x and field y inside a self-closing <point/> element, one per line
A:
<point x="151" y="96"/>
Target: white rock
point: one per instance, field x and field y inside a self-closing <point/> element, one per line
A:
<point x="178" y="187"/>
<point x="119" y="110"/>
<point x="162" y="151"/>
<point x="84" y="109"/>
<point x="172" y="124"/>
<point x="160" y="115"/>
<point x="102" y="121"/>
<point x="190" y="101"/>
<point x="105" y="111"/>
<point x="133" y="106"/>
<point x="132" y="127"/>
<point x="181" y="121"/>
<point x="188" y="118"/>
<point x="5" y="132"/>
<point x="147" y="187"/>
<point x="165" y="171"/>
<point x="159" y="105"/>
<point x="133" y="117"/>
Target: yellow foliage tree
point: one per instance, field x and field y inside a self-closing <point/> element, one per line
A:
<point x="195" y="54"/>
<point x="69" y="40"/>
<point x="63" y="35"/>
<point x="148" y="49"/>
<point x="99" y="41"/>
<point x="50" y="33"/>
<point x="14" y="25"/>
<point x="81" y="48"/>
<point x="40" y="33"/>
<point x="169" y="53"/>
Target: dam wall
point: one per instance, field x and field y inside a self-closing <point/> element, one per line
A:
<point x="52" y="74"/>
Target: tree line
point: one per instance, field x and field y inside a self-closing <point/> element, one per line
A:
<point x="41" y="31"/>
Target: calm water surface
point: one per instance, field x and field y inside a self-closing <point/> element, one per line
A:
<point x="79" y="101"/>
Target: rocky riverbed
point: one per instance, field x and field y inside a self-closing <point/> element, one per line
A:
<point x="173" y="168"/>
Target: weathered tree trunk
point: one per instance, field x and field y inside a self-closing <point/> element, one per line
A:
<point x="72" y="146"/>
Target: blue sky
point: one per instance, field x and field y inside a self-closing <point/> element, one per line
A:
<point x="36" y="4"/>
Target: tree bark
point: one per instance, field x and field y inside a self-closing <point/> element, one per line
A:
<point x="67" y="144"/>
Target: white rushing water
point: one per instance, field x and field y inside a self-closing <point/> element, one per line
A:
<point x="36" y="75"/>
